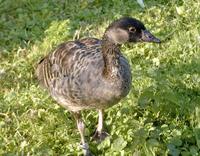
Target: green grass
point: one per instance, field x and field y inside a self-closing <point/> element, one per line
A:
<point x="160" y="116"/>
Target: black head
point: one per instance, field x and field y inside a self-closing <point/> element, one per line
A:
<point x="129" y="29"/>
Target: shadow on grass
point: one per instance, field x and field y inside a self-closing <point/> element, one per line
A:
<point x="176" y="90"/>
<point x="174" y="101"/>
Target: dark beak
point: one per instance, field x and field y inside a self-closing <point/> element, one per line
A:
<point x="148" y="37"/>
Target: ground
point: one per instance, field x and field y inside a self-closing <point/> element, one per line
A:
<point x="161" y="114"/>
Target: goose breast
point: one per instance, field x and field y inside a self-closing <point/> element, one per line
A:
<point x="74" y="76"/>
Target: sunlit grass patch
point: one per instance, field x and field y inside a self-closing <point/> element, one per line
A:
<point x="160" y="116"/>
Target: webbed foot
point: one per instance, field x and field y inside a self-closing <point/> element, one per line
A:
<point x="99" y="136"/>
<point x="86" y="150"/>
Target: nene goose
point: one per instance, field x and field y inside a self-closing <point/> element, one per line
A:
<point x="91" y="73"/>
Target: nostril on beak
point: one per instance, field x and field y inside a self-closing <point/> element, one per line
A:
<point x="148" y="37"/>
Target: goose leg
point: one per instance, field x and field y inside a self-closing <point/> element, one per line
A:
<point x="100" y="135"/>
<point x="81" y="129"/>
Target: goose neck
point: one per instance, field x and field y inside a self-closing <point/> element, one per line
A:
<point x="111" y="54"/>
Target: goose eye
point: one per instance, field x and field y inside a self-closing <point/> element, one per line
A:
<point x="132" y="29"/>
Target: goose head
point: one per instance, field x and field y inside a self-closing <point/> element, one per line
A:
<point x="129" y="29"/>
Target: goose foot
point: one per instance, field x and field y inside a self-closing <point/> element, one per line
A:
<point x="86" y="151"/>
<point x="99" y="136"/>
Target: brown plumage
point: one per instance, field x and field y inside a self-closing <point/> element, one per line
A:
<point x="92" y="73"/>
